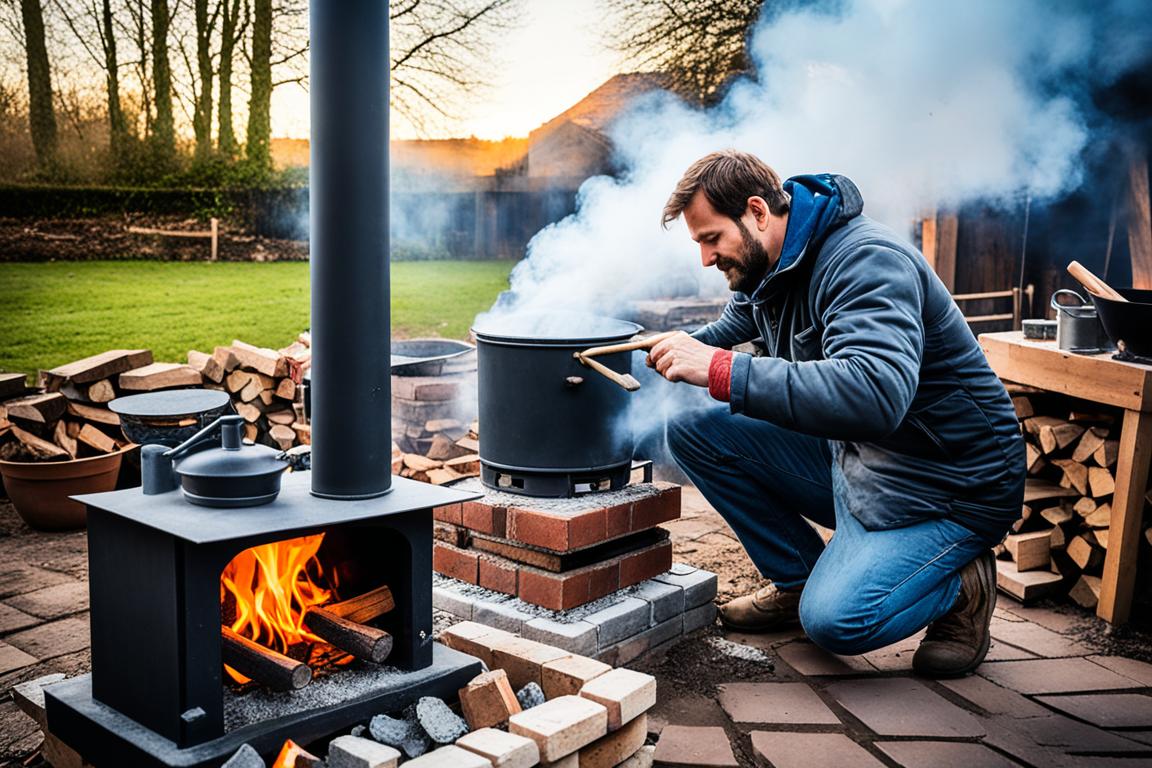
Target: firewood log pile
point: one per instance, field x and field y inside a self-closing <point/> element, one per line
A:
<point x="452" y="454"/>
<point x="1059" y="543"/>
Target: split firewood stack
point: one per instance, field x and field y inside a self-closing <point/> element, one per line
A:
<point x="66" y="416"/>
<point x="452" y="454"/>
<point x="1060" y="541"/>
<point x="264" y="385"/>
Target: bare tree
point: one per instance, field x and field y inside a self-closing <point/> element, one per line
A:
<point x="202" y="114"/>
<point x="698" y="44"/>
<point x="233" y="23"/>
<point x="41" y="111"/>
<point x="260" y="97"/>
<point x="164" y="126"/>
<point x="440" y="49"/>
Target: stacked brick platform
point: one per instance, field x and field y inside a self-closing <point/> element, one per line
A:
<point x="557" y="553"/>
<point x="417" y="400"/>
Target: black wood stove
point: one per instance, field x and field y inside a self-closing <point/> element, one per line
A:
<point x="156" y="695"/>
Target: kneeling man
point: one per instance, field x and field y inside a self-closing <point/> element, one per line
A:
<point x="873" y="412"/>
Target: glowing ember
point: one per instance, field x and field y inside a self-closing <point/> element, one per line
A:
<point x="290" y="753"/>
<point x="273" y="586"/>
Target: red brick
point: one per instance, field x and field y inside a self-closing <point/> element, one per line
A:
<point x="451" y="513"/>
<point x="648" y="562"/>
<point x="455" y="563"/>
<point x="539" y="529"/>
<point x="556" y="591"/>
<point x="618" y="520"/>
<point x="586" y="529"/>
<point x="650" y="512"/>
<point x="605" y="579"/>
<point x="485" y="518"/>
<point x="500" y="575"/>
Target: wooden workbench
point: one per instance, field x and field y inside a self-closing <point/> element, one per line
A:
<point x="1099" y="379"/>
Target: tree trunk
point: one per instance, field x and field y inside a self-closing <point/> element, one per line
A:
<point x="117" y="128"/>
<point x="260" y="103"/>
<point x="231" y="29"/>
<point x="202" y="114"/>
<point x="41" y="112"/>
<point x="164" y="128"/>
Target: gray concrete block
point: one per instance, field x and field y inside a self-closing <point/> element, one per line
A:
<point x="633" y="647"/>
<point x="452" y="602"/>
<point x="353" y="752"/>
<point x="699" y="585"/>
<point x="500" y="616"/>
<point x="699" y="617"/>
<point x="629" y="617"/>
<point x="579" y="637"/>
<point x="667" y="600"/>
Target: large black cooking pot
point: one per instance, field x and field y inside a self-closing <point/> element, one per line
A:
<point x="541" y="410"/>
<point x="1128" y="322"/>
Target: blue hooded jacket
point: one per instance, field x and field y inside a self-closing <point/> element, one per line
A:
<point x="867" y="349"/>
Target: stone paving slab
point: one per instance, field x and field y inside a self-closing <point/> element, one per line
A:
<point x="12" y="658"/>
<point x="804" y="750"/>
<point x="1076" y="738"/>
<point x="53" y="602"/>
<point x="1140" y="671"/>
<point x="12" y="619"/>
<point x="54" y="639"/>
<point x="900" y="706"/>
<point x="811" y="660"/>
<point x="1038" y="676"/>
<point x="776" y="703"/>
<point x="1036" y="639"/>
<point x="1106" y="710"/>
<point x="943" y="754"/>
<point x="686" y="746"/>
<point x="994" y="699"/>
<point x="1004" y="652"/>
<point x="28" y="578"/>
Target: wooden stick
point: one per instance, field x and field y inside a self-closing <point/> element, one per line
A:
<point x="264" y="665"/>
<point x="625" y="380"/>
<point x="360" y="640"/>
<point x="628" y="346"/>
<point x="1092" y="283"/>
<point x="364" y="607"/>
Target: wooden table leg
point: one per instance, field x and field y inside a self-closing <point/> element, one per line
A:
<point x="1127" y="515"/>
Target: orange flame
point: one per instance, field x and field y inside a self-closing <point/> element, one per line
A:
<point x="273" y="590"/>
<point x="290" y="753"/>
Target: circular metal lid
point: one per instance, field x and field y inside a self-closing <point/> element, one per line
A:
<point x="553" y="328"/>
<point x="169" y="404"/>
<point x="249" y="461"/>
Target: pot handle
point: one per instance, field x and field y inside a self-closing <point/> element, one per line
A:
<point x="1059" y="307"/>
<point x="625" y="380"/>
<point x="628" y="346"/>
<point x="231" y="428"/>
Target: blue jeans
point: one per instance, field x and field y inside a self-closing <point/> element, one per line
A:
<point x="865" y="589"/>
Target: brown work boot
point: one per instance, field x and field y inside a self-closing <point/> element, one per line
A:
<point x="957" y="642"/>
<point x="765" y="610"/>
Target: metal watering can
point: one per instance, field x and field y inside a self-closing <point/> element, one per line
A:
<point x="1078" y="327"/>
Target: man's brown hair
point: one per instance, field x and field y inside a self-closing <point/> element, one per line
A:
<point x="728" y="179"/>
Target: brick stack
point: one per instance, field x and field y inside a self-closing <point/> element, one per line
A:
<point x="557" y="553"/>
<point x="422" y="405"/>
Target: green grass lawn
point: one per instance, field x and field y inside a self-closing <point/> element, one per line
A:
<point x="53" y="313"/>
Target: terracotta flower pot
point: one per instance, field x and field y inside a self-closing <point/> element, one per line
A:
<point x="40" y="490"/>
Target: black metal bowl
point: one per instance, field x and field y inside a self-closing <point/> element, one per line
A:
<point x="1128" y="323"/>
<point x="170" y="417"/>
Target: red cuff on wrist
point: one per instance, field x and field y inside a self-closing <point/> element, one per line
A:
<point x="720" y="375"/>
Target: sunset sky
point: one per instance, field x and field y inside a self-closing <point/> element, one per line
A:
<point x="553" y="59"/>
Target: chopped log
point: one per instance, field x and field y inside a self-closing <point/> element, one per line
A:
<point x="1036" y="489"/>
<point x="1029" y="550"/>
<point x="1085" y="506"/>
<point x="286" y="389"/>
<point x="1057" y="515"/>
<point x="39" y="448"/>
<point x="1088" y="418"/>
<point x="444" y="449"/>
<point x="282" y="435"/>
<point x="465" y="465"/>
<point x="365" y="607"/>
<point x="94" y="438"/>
<point x="1101" y="517"/>
<point x="266" y="396"/>
<point x="225" y="359"/>
<point x="448" y="427"/>
<point x="1034" y="459"/>
<point x="1106" y="454"/>
<point x="418" y="463"/>
<point x="265" y="666"/>
<point x="471" y="444"/>
<point x="363" y="642"/>
<point x="237" y="380"/>
<point x="12" y="385"/>
<point x="474" y="430"/>
<point x="252" y="389"/>
<point x="209" y="367"/>
<point x="1086" y="591"/>
<point x="1101" y="481"/>
<point x="283" y="416"/>
<point x="96" y="367"/>
<point x="1058" y="539"/>
<point x="156" y="376"/>
<point x="443" y="475"/>
<point x="1089" y="442"/>
<point x="94" y="414"/>
<point x="266" y="361"/>
<point x="1101" y="535"/>
<point x="73" y="428"/>
<point x="1058" y="436"/>
<point x="296" y="349"/>
<point x="251" y="433"/>
<point x="304" y="437"/>
<point x="250" y="412"/>
<point x="61" y="437"/>
<point x="1023" y="407"/>
<point x="1075" y="475"/>
<point x="38" y="409"/>
<point x="1025" y="586"/>
<point x="1148" y="535"/>
<point x="1084" y="552"/>
<point x="102" y="391"/>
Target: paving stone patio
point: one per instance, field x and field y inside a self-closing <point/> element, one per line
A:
<point x="1048" y="696"/>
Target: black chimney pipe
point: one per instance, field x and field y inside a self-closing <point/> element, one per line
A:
<point x="351" y="332"/>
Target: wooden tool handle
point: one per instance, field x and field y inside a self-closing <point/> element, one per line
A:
<point x="1092" y="283"/>
<point x="628" y="346"/>
<point x="625" y="380"/>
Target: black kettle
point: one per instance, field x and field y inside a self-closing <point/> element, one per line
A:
<point x="231" y="475"/>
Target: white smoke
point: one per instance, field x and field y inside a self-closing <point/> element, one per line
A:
<point x="923" y="104"/>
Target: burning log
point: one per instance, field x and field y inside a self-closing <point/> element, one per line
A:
<point x="363" y="642"/>
<point x="364" y="607"/>
<point x="263" y="665"/>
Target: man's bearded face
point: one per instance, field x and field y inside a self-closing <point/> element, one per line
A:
<point x="746" y="270"/>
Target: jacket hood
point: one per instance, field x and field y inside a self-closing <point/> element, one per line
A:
<point x="820" y="204"/>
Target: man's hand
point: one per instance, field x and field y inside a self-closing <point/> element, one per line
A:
<point x="682" y="358"/>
